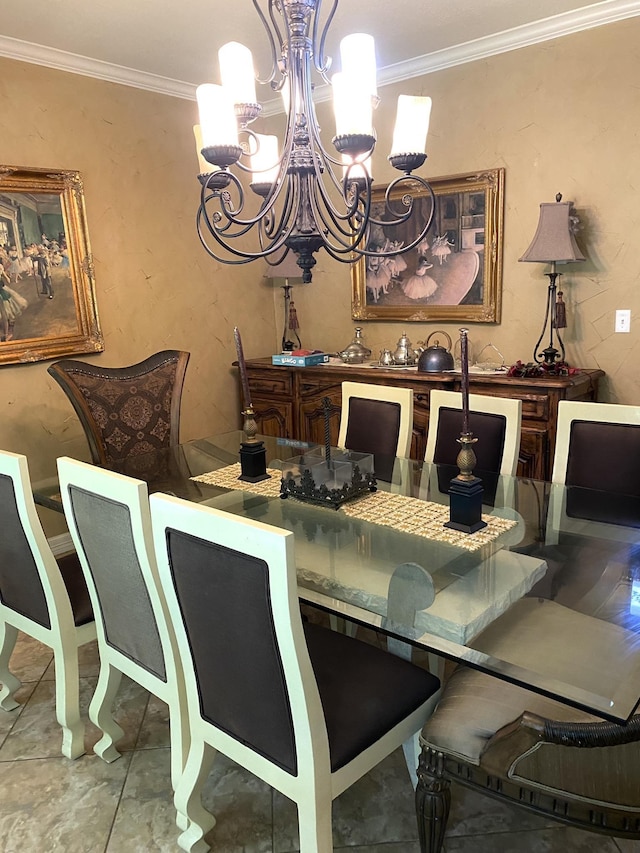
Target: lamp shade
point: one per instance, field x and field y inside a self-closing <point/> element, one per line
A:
<point x="554" y="240"/>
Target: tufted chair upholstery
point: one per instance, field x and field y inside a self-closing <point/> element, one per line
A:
<point x="126" y="411"/>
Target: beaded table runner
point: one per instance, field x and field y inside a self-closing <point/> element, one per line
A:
<point x="421" y="518"/>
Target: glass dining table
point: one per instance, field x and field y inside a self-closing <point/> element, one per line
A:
<point x="555" y="574"/>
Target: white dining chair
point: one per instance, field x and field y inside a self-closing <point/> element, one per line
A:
<point x="43" y="597"/>
<point x="376" y="419"/>
<point x="598" y="450"/>
<point x="306" y="709"/>
<point x="495" y="421"/>
<point x="109" y="521"/>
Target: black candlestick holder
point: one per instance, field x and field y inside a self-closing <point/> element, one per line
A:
<point x="465" y="490"/>
<point x="253" y="455"/>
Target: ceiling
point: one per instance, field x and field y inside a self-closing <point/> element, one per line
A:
<point x="170" y="47"/>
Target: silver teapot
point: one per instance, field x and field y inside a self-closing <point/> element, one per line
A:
<point x="404" y="353"/>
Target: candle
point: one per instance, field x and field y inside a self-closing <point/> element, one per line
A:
<point x="464" y="358"/>
<point x="243" y="370"/>
<point x="326" y="405"/>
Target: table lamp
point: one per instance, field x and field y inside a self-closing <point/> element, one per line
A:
<point x="287" y="271"/>
<point x="553" y="243"/>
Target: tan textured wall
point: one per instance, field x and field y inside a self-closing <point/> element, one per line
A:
<point x="156" y="287"/>
<point x="560" y="117"/>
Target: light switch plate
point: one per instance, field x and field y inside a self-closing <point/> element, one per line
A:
<point x="623" y="320"/>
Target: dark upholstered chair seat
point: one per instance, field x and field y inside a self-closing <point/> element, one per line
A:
<point x="366" y="695"/>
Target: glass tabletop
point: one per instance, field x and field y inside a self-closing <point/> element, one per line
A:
<point x="551" y="603"/>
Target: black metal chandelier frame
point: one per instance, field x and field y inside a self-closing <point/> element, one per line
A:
<point x="298" y="211"/>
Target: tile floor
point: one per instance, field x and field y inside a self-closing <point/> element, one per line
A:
<point x="48" y="803"/>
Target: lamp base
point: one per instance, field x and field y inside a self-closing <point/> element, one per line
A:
<point x="465" y="505"/>
<point x="253" y="462"/>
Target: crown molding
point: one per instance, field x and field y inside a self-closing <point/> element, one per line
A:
<point x="61" y="60"/>
<point x="557" y="26"/>
<point x="595" y="15"/>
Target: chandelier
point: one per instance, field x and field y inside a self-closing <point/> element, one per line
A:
<point x="301" y="197"/>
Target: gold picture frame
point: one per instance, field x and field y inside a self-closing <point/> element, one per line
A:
<point x="47" y="289"/>
<point x="455" y="274"/>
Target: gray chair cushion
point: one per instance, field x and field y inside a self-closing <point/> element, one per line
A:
<point x="537" y="634"/>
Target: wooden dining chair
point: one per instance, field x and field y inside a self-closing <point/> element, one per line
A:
<point x="125" y="411"/>
<point x="109" y="522"/>
<point x="42" y="596"/>
<point x="306" y="709"/>
<point x="529" y="750"/>
<point x="495" y="421"/>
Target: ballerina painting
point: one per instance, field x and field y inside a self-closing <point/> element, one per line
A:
<point x="451" y="272"/>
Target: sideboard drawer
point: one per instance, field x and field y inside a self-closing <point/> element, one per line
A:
<point x="535" y="406"/>
<point x="270" y="383"/>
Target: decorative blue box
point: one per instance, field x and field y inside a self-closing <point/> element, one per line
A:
<point x="300" y="360"/>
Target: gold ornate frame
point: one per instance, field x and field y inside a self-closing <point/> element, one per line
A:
<point x="65" y="323"/>
<point x="462" y="279"/>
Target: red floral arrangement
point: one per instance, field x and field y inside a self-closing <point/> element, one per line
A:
<point x="533" y="369"/>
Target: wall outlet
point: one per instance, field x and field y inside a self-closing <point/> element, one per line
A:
<point x="623" y="321"/>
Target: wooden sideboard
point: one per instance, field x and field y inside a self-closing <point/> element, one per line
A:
<point x="288" y="402"/>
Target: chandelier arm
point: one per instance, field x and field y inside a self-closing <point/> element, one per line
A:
<point x="408" y="200"/>
<point x="272" y="43"/>
<point x="322" y="63"/>
<point x="321" y="161"/>
<point x="209" y="250"/>
<point x="224" y="210"/>
<point x="332" y="220"/>
<point x="284" y="223"/>
<point x="283" y="230"/>
<point x="230" y="214"/>
<point x="244" y="257"/>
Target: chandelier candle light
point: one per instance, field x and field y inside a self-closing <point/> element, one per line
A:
<point x="253" y="455"/>
<point x="465" y="490"/>
<point x="302" y="196"/>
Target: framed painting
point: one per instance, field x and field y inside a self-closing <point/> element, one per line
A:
<point x="47" y="289"/>
<point x="455" y="273"/>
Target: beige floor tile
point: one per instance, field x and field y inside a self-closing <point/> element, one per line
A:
<point x="36" y="733"/>
<point x="59" y="805"/>
<point x="242" y="806"/>
<point x="146" y="816"/>
<point x="154" y="731"/>
<point x="561" y="840"/>
<point x="362" y="814"/>
<point x="8" y="719"/>
<point x="30" y="659"/>
<point x="473" y="813"/>
<point x="628" y="846"/>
